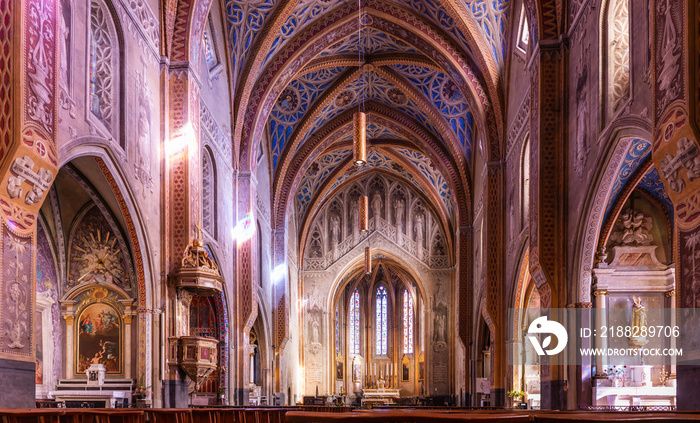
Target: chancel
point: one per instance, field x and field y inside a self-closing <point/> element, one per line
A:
<point x="359" y="204"/>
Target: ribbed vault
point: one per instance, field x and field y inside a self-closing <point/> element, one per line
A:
<point x="427" y="72"/>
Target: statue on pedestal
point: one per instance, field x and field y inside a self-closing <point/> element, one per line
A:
<point x="638" y="325"/>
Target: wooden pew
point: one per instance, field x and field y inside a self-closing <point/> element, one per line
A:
<point x="168" y="415"/>
<point x="107" y="416"/>
<point x="31" y="415"/>
<point x="403" y="416"/>
<point x="631" y="416"/>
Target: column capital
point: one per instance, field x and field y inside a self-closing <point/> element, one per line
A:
<point x="601" y="292"/>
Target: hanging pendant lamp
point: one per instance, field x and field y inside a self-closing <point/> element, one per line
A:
<point x="364" y="213"/>
<point x="359" y="139"/>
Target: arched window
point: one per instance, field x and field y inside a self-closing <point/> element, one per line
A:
<point x="523" y="31"/>
<point x="617" y="49"/>
<point x="208" y="193"/>
<point x="525" y="184"/>
<point x="381" y="322"/>
<point x="104" y="65"/>
<point x="407" y="322"/>
<point x="354" y="322"/>
<point x="211" y="52"/>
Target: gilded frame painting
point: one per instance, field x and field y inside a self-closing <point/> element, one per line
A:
<point x="99" y="332"/>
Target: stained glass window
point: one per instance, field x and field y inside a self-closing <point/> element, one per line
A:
<point x="407" y="323"/>
<point x="381" y="325"/>
<point x="354" y="323"/>
<point x="337" y="331"/>
<point x="208" y="51"/>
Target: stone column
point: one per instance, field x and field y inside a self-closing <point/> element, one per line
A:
<point x="28" y="155"/>
<point x="601" y="320"/>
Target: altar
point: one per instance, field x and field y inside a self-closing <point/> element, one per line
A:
<point x="379" y="396"/>
<point x="79" y="393"/>
<point x="92" y="398"/>
<point x="634" y="395"/>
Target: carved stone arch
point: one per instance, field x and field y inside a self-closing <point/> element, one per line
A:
<point x="597" y="198"/>
<point x="106" y="106"/>
<point x="183" y="27"/>
<point x="631" y="188"/>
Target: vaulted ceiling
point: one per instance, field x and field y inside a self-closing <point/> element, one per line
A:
<point x="426" y="72"/>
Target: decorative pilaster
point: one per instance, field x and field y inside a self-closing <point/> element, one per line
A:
<point x="495" y="276"/>
<point x="280" y="274"/>
<point x="246" y="292"/>
<point x="466" y="294"/>
<point x="547" y="194"/>
<point x="601" y="314"/>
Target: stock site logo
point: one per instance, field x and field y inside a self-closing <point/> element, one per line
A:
<point x="541" y="326"/>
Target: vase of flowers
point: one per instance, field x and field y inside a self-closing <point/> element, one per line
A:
<point x="515" y="396"/>
<point x="141" y="392"/>
<point x="616" y="374"/>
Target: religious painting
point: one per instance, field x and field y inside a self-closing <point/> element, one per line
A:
<point x="339" y="370"/>
<point x="356" y="371"/>
<point x="99" y="338"/>
<point x="38" y="336"/>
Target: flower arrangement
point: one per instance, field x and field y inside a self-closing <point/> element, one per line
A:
<point x="515" y="393"/>
<point x="141" y="391"/>
<point x="616" y="374"/>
